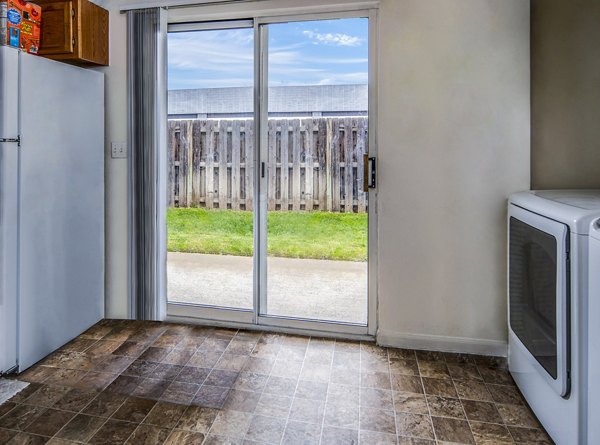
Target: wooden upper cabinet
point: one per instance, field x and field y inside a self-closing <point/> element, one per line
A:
<point x="57" y="28"/>
<point x="74" y="31"/>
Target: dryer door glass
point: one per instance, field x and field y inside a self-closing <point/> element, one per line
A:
<point x="533" y="278"/>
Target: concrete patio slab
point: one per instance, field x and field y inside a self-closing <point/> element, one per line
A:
<point x="304" y="288"/>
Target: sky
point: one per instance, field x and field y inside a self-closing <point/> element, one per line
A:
<point x="325" y="52"/>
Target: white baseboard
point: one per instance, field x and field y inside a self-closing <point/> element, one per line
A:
<point x="463" y="345"/>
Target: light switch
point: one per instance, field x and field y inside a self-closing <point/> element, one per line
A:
<point x="118" y="150"/>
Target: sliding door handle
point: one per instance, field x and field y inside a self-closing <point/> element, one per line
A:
<point x="369" y="173"/>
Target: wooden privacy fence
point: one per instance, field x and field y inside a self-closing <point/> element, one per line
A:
<point x="313" y="164"/>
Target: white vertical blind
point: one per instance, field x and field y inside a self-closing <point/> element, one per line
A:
<point x="147" y="125"/>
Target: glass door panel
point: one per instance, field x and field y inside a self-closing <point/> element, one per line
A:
<point x="533" y="292"/>
<point x="211" y="191"/>
<point x="316" y="139"/>
<point x="538" y="293"/>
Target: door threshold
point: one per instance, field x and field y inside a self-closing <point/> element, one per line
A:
<point x="271" y="328"/>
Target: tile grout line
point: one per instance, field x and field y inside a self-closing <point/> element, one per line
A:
<point x="76" y="413"/>
<point x="328" y="385"/>
<point x="122" y="403"/>
<point x="243" y="438"/>
<point x="461" y="401"/>
<point x="426" y="400"/>
<point x="46" y="408"/>
<point x="360" y="362"/>
<point x="99" y="391"/>
<point x="159" y="400"/>
<point x="462" y="407"/>
<point x="187" y="405"/>
<point x="82" y="413"/>
<point x="287" y="420"/>
<point x="469" y="421"/>
<point x="275" y="417"/>
<point x="212" y="369"/>
<point x="208" y="432"/>
<point x="495" y="406"/>
<point x="387" y="353"/>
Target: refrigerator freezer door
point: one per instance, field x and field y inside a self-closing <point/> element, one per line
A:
<point x="9" y="82"/>
<point x="61" y="267"/>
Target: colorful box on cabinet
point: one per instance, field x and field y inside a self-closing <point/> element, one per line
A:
<point x="20" y="24"/>
<point x="31" y="27"/>
<point x="11" y="16"/>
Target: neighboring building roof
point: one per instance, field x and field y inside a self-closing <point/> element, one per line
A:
<point x="285" y="100"/>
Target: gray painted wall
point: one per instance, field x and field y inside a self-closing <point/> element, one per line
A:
<point x="565" y="87"/>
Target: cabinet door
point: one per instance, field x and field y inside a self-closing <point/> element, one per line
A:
<point x="57" y="28"/>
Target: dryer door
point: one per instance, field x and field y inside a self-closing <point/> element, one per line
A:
<point x="538" y="292"/>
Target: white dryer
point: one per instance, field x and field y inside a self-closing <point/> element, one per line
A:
<point x="548" y="257"/>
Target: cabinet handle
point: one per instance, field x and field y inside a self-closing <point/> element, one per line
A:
<point x="73" y="42"/>
<point x="73" y="13"/>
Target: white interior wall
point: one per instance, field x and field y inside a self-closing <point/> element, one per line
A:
<point x="453" y="143"/>
<point x="115" y="204"/>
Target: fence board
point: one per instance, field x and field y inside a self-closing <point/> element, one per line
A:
<point x="312" y="164"/>
<point x="361" y="150"/>
<point x="171" y="164"/>
<point x="196" y="168"/>
<point x="336" y="176"/>
<point x="271" y="165"/>
<point x="235" y="165"/>
<point x="183" y="164"/>
<point x="189" y="167"/>
<point x="249" y="164"/>
<point x="285" y="166"/>
<point x="329" y="164"/>
<point x="210" y="164"/>
<point x="348" y="166"/>
<point x="223" y="153"/>
<point x="308" y="165"/>
<point x="295" y="192"/>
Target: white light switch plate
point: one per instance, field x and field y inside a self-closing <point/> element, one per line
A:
<point x="118" y="150"/>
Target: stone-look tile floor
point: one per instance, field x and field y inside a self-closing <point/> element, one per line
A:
<point x="156" y="383"/>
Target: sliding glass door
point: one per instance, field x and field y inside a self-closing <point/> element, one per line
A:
<point x="317" y="135"/>
<point x="210" y="219"/>
<point x="271" y="172"/>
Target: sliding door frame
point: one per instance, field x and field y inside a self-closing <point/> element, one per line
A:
<point x="176" y="310"/>
<point x="256" y="318"/>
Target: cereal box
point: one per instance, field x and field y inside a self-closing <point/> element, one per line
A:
<point x="11" y="16"/>
<point x="30" y="27"/>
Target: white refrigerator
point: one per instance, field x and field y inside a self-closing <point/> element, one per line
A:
<point x="51" y="205"/>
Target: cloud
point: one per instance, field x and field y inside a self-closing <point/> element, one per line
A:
<point x="214" y="51"/>
<point x="345" y="78"/>
<point x="337" y="61"/>
<point x="210" y="59"/>
<point x="334" y="39"/>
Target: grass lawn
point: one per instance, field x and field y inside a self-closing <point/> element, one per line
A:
<point x="321" y="235"/>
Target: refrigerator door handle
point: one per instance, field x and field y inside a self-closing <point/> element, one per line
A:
<point x="17" y="140"/>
